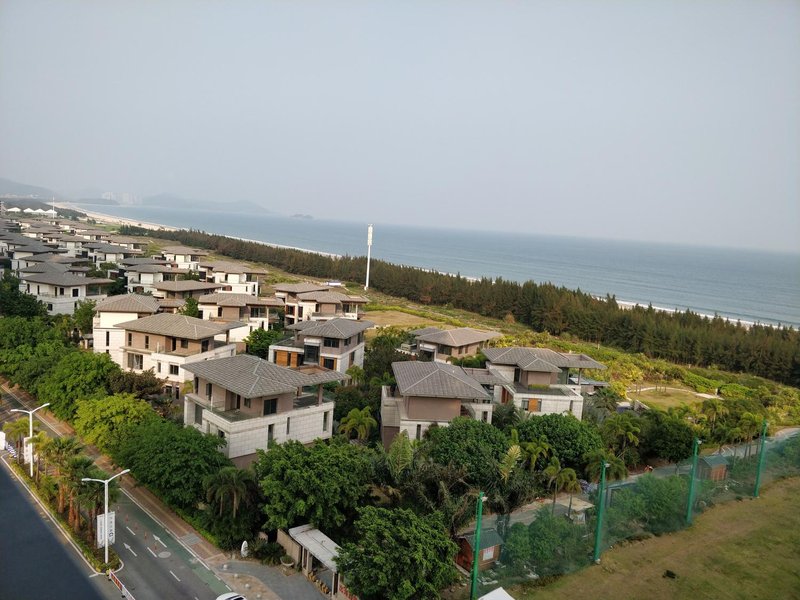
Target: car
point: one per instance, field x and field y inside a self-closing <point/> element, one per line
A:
<point x="231" y="596"/>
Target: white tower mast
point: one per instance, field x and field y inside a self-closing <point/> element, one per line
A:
<point x="369" y="252"/>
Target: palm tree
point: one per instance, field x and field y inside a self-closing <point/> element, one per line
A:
<point x="606" y="400"/>
<point x="594" y="463"/>
<point x="41" y="441"/>
<point x="622" y="429"/>
<point x="76" y="469"/>
<point x="535" y="449"/>
<point x="713" y="408"/>
<point x="571" y="485"/>
<point x="749" y="423"/>
<point x="231" y="487"/>
<point x="555" y="477"/>
<point x="18" y="431"/>
<point x="360" y="421"/>
<point x="357" y="374"/>
<point x="60" y="451"/>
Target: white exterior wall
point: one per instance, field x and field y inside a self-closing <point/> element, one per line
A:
<point x="105" y="322"/>
<point x="246" y="436"/>
<point x="553" y="404"/>
<point x="160" y="362"/>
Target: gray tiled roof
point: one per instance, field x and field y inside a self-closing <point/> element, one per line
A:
<point x="253" y="377"/>
<point x="184" y="250"/>
<point x="185" y="285"/>
<point x="63" y="279"/>
<point x="436" y="380"/>
<point x="58" y="258"/>
<point x="463" y="336"/>
<point x="128" y="303"/>
<point x="425" y="331"/>
<point x="326" y="297"/>
<point x="540" y="359"/>
<point x="299" y="288"/>
<point x="141" y="260"/>
<point x="335" y="328"/>
<point x="178" y="326"/>
<point x="485" y="376"/>
<point x="53" y="267"/>
<point x="231" y="299"/>
<point x="221" y="266"/>
<point x="110" y="248"/>
<point x="155" y="268"/>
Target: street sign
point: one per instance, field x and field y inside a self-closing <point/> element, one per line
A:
<point x="101" y="527"/>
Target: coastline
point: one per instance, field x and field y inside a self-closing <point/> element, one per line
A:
<point x="625" y="304"/>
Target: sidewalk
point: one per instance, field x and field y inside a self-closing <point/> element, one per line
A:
<point x="254" y="580"/>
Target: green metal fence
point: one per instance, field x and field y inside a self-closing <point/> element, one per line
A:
<point x="556" y="539"/>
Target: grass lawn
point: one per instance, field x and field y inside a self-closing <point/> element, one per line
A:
<point x="664" y="399"/>
<point x="748" y="549"/>
<point x="400" y="319"/>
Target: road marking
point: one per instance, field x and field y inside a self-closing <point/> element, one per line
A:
<point x="151" y="552"/>
<point x="227" y="586"/>
<point x="95" y="575"/>
<point x="129" y="529"/>
<point x="175" y="576"/>
<point x="158" y="539"/>
<point x="131" y="549"/>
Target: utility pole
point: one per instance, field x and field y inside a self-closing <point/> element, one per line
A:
<point x="105" y="483"/>
<point x="690" y="503"/>
<point x="476" y="547"/>
<point x="369" y="252"/>
<point x="760" y="458"/>
<point x="598" y="530"/>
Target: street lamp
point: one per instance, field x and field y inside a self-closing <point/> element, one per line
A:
<point x="30" y="426"/>
<point x="105" y="482"/>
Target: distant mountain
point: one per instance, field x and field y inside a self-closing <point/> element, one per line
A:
<point x="15" y="188"/>
<point x="174" y="201"/>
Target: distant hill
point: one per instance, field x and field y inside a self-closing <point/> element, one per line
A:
<point x="15" y="188"/>
<point x="174" y="201"/>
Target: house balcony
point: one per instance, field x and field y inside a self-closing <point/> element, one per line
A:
<point x="304" y="402"/>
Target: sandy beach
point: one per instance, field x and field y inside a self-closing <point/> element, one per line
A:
<point x="112" y="220"/>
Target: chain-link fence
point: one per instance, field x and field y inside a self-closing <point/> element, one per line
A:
<point x="556" y="538"/>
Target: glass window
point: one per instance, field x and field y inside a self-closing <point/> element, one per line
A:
<point x="330" y="342"/>
<point x="184" y="343"/>
<point x="173" y="369"/>
<point x="325" y="421"/>
<point x="270" y="406"/>
<point x="198" y="414"/>
<point x="146" y="342"/>
<point x="329" y="363"/>
<point x="208" y="388"/>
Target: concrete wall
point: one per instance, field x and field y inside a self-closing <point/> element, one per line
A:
<point x="432" y="409"/>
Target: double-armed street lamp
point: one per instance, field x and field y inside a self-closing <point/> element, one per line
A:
<point x="105" y="482"/>
<point x="30" y="426"/>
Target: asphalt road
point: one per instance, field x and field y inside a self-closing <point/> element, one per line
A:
<point x="36" y="562"/>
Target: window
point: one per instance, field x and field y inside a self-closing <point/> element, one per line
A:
<point x="208" y="389"/>
<point x="330" y="343"/>
<point x="158" y="367"/>
<point x="325" y="421"/>
<point x="288" y="424"/>
<point x="184" y="343"/>
<point x="130" y="339"/>
<point x="446" y="350"/>
<point x="311" y="354"/>
<point x="74" y="292"/>
<point x="534" y="405"/>
<point x="204" y="346"/>
<point x="247" y="402"/>
<point x="219" y="311"/>
<point x="270" y="407"/>
<point x="49" y="307"/>
<point x="198" y="414"/>
<point x="419" y="432"/>
<point x="108" y="338"/>
<point x="270" y="433"/>
<point x="348" y="341"/>
<point x="299" y="312"/>
<point x="238" y="402"/>
<point x="488" y="553"/>
<point x="173" y="369"/>
<point x="221" y="434"/>
<point x="146" y="342"/>
<point x="196" y="381"/>
<point x="135" y="361"/>
<point x="290" y="310"/>
<point x="329" y="363"/>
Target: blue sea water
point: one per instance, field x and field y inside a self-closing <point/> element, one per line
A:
<point x="753" y="286"/>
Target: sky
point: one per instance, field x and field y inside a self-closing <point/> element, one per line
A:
<point x="669" y="121"/>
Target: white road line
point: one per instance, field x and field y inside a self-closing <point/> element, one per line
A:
<point x="129" y="529"/>
<point x="229" y="587"/>
<point x="175" y="576"/>
<point x="151" y="552"/>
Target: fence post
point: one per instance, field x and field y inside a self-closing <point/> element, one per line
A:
<point x="476" y="548"/>
<point x="601" y="494"/>
<point x="690" y="503"/>
<point x="760" y="458"/>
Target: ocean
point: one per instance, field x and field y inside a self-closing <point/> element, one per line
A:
<point x="749" y="285"/>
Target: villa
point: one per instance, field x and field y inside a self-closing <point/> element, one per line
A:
<point x="315" y="302"/>
<point x="234" y="277"/>
<point x="439" y="345"/>
<point x="61" y="291"/>
<point x="253" y="404"/>
<point x="184" y="257"/>
<point x="253" y="311"/>
<point x="186" y="288"/>
<point x="106" y="336"/>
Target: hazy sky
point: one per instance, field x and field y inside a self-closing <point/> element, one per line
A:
<point x="673" y="120"/>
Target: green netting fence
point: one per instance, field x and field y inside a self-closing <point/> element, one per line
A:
<point x="558" y="538"/>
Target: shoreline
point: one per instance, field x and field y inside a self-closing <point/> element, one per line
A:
<point x="624" y="304"/>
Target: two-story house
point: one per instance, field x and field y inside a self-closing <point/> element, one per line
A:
<point x="102" y="252"/>
<point x="538" y="379"/>
<point x="61" y="292"/>
<point x="187" y="288"/>
<point x="439" y="345"/>
<point x="142" y="278"/>
<point x="253" y="404"/>
<point x="253" y="311"/>
<point x="430" y="393"/>
<point x="184" y="257"/>
<point x="106" y="336"/>
<point x="168" y="342"/>
<point x="337" y="344"/>
<point x="234" y="277"/>
<point x="315" y="302"/>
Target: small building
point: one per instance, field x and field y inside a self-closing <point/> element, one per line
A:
<point x="713" y="467"/>
<point x="187" y="288"/>
<point x="441" y="344"/>
<point x="234" y="277"/>
<point x="61" y="292"/>
<point x="184" y="257"/>
<point x="112" y="311"/>
<point x="490" y="546"/>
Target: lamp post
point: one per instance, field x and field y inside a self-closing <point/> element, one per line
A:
<point x="105" y="483"/>
<point x="30" y="426"/>
<point x="601" y="493"/>
<point x="369" y="252"/>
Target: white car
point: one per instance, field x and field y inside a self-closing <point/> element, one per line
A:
<point x="231" y="596"/>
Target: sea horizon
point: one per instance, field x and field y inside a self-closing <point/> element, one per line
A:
<point x="749" y="285"/>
